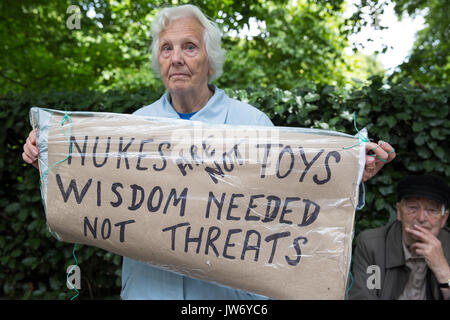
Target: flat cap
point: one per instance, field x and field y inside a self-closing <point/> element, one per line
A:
<point x="424" y="186"/>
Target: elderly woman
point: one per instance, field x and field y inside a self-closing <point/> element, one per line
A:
<point x="187" y="54"/>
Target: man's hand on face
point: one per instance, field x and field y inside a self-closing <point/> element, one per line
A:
<point x="429" y="247"/>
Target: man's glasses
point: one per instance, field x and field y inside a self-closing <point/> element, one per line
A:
<point x="414" y="208"/>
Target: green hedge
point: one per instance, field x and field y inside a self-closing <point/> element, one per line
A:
<point x="413" y="119"/>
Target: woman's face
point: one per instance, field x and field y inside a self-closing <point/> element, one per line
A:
<point x="182" y="57"/>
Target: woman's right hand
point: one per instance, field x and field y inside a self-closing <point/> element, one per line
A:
<point x="30" y="151"/>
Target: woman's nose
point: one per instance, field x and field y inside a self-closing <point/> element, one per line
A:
<point x="177" y="57"/>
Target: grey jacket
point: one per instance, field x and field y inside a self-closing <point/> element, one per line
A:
<point x="383" y="247"/>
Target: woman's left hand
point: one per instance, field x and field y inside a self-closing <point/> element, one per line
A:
<point x="383" y="153"/>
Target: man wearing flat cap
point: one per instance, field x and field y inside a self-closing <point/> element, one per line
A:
<point x="408" y="259"/>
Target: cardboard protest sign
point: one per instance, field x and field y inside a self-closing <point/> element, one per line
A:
<point x="269" y="210"/>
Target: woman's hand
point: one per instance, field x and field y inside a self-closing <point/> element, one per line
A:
<point x="30" y="151"/>
<point x="383" y="153"/>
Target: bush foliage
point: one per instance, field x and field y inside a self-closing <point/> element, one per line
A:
<point x="414" y="119"/>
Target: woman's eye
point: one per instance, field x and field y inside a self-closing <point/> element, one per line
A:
<point x="165" y="51"/>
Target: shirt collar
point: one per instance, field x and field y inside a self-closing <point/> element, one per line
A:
<point x="215" y="111"/>
<point x="406" y="251"/>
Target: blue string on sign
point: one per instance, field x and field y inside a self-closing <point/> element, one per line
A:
<point x="351" y="284"/>
<point x="67" y="136"/>
<point x="66" y="117"/>
<point x="364" y="139"/>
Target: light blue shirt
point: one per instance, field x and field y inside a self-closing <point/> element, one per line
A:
<point x="143" y="281"/>
<point x="220" y="109"/>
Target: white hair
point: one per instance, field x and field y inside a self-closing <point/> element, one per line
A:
<point x="211" y="36"/>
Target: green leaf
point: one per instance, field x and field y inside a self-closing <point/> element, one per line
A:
<point x="311" y="97"/>
<point x="311" y="107"/>
<point x="415" y="166"/>
<point x="428" y="165"/>
<point x="23" y="214"/>
<point x="33" y="225"/>
<point x="29" y="261"/>
<point x="437" y="134"/>
<point x="386" y="190"/>
<point x="409" y="99"/>
<point x="391" y="121"/>
<point x="34" y="243"/>
<point x="440" y="153"/>
<point x="55" y="283"/>
<point x="328" y="89"/>
<point x="279" y="109"/>
<point x="379" y="204"/>
<point x="12" y="208"/>
<point x="16" y="253"/>
<point x="418" y="126"/>
<point x="435" y="123"/>
<point x="420" y="139"/>
<point x="403" y="116"/>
